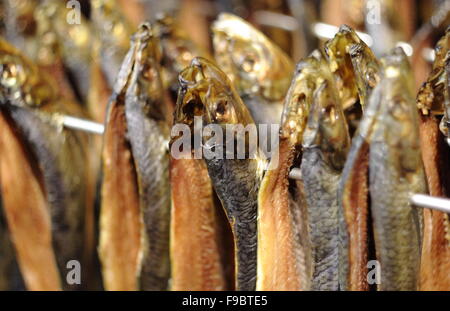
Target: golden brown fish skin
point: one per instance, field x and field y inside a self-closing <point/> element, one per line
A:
<point x="282" y="222"/>
<point x="355" y="69"/>
<point x="139" y="91"/>
<point x="259" y="69"/>
<point x="435" y="152"/>
<point x="396" y="171"/>
<point x="34" y="111"/>
<point x="338" y="52"/>
<point x="366" y="69"/>
<point x="435" y="260"/>
<point x="114" y="32"/>
<point x="196" y="250"/>
<point x="207" y="92"/>
<point x="431" y="94"/>
<point x="10" y="276"/>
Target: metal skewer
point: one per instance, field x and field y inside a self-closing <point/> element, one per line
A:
<point x="439" y="204"/>
<point x="83" y="125"/>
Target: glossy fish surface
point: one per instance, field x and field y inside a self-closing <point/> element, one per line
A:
<point x="31" y="106"/>
<point x="206" y="92"/>
<point x="282" y="216"/>
<point x="325" y="145"/>
<point x="396" y="171"/>
<point x="138" y="104"/>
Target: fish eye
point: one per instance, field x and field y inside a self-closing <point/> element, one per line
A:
<point x="221" y="107"/>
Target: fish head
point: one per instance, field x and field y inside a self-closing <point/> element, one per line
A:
<point x="145" y="74"/>
<point x="366" y="69"/>
<point x="253" y="63"/>
<point x="206" y="91"/>
<point x="20" y="83"/>
<point x="430" y="97"/>
<point x="326" y="128"/>
<point x="338" y="52"/>
<point x="309" y="74"/>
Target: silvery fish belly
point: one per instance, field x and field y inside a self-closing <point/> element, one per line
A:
<point x="207" y="92"/>
<point x="395" y="172"/>
<point x="259" y="69"/>
<point x="31" y="107"/>
<point x="136" y="174"/>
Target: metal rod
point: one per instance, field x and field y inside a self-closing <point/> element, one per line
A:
<point x="427" y="201"/>
<point x="83" y="125"/>
<point x="422" y="200"/>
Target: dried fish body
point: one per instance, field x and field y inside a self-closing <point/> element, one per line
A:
<point x="207" y="92"/>
<point x="197" y="249"/>
<point x="355" y="69"/>
<point x="136" y="140"/>
<point x="396" y="171"/>
<point x="282" y="215"/>
<point x="435" y="261"/>
<point x="325" y="145"/>
<point x="260" y="70"/>
<point x="10" y="277"/>
<point x="32" y="107"/>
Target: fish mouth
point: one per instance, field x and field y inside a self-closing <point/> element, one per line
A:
<point x="206" y="92"/>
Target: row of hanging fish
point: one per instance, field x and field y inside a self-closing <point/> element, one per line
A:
<point x="141" y="219"/>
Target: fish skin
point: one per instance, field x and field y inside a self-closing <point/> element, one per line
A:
<point x="338" y="52"/>
<point x="353" y="190"/>
<point x="435" y="261"/>
<point x="60" y="156"/>
<point x="355" y="69"/>
<point x="282" y="215"/>
<point x="430" y="97"/>
<point x="396" y="171"/>
<point x="138" y="91"/>
<point x="196" y="250"/>
<point x="236" y="181"/>
<point x="263" y="86"/>
<point x="366" y="70"/>
<point x="148" y="134"/>
<point x="10" y="276"/>
<point x="325" y="145"/>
